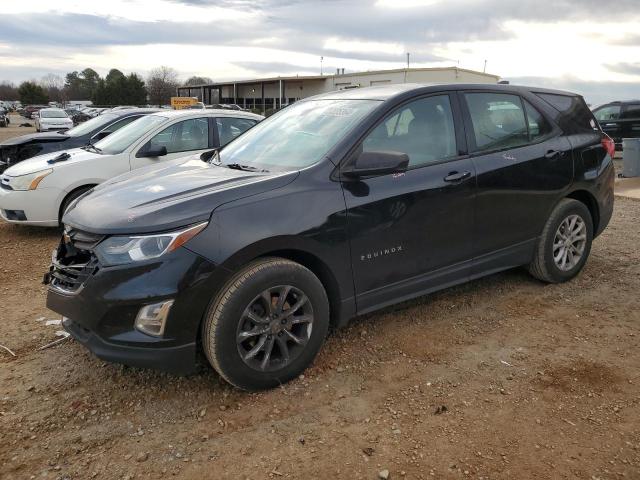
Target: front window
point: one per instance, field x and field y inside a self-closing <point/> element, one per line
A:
<point x="91" y="125"/>
<point x="297" y="136"/>
<point x="53" y="114"/>
<point x="192" y="134"/>
<point x="423" y="129"/>
<point x="606" y="114"/>
<point x="119" y="141"/>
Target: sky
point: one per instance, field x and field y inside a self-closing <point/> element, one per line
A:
<point x="585" y="46"/>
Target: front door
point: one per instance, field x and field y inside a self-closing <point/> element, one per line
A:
<point x="631" y="120"/>
<point x="180" y="139"/>
<point x="523" y="164"/>
<point x="412" y="232"/>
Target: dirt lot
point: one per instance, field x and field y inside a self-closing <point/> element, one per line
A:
<point x="502" y="378"/>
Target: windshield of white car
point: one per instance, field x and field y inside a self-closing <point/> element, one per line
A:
<point x="122" y="138"/>
<point x="53" y="114"/>
<point x="297" y="136"/>
<point x="91" y="125"/>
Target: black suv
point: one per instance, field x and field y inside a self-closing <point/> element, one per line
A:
<point x="619" y="120"/>
<point x="23" y="147"/>
<point x="333" y="207"/>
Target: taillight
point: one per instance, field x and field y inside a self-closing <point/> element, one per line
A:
<point x="609" y="145"/>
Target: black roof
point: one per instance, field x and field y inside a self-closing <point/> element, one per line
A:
<point x="386" y="92"/>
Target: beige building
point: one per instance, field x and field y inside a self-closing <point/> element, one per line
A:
<point x="269" y="93"/>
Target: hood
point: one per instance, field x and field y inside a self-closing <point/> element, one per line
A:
<point x="165" y="197"/>
<point x="38" y="163"/>
<point x="44" y="137"/>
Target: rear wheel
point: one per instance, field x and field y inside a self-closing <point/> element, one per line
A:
<point x="565" y="243"/>
<point x="266" y="325"/>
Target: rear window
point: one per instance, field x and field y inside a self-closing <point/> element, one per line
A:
<point x="575" y="116"/>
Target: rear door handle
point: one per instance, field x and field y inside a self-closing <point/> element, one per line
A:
<point x="553" y="154"/>
<point x="457" y="176"/>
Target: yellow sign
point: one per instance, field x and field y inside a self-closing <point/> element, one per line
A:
<point x="178" y="103"/>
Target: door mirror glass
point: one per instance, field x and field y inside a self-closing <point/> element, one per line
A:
<point x="374" y="163"/>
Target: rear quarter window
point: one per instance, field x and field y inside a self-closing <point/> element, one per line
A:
<point x="574" y="114"/>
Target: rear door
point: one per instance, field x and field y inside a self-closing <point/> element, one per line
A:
<point x="182" y="138"/>
<point x="413" y="231"/>
<point x="522" y="164"/>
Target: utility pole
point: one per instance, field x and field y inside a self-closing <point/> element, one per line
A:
<point x="321" y="60"/>
<point x="408" y="54"/>
<point x="484" y="70"/>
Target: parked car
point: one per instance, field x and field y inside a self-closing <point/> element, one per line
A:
<point x="32" y="110"/>
<point x="619" y="120"/>
<point x="78" y="117"/>
<point x="52" y="119"/>
<point x="37" y="191"/>
<point x="4" y="117"/>
<point x="23" y="147"/>
<point x="333" y="207"/>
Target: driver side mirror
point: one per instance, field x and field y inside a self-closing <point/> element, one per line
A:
<point x="369" y="164"/>
<point x="152" y="152"/>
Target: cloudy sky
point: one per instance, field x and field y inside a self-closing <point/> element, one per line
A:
<point x="583" y="45"/>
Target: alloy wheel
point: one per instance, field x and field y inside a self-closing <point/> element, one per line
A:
<point x="569" y="242"/>
<point x="274" y="328"/>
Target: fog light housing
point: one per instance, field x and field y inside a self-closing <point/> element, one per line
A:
<point x="152" y="319"/>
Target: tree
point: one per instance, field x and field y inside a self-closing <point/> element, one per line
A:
<point x="81" y="86"/>
<point x="161" y="85"/>
<point x="53" y="85"/>
<point x="195" y="80"/>
<point x="31" y="93"/>
<point x="8" y="91"/>
<point x="136" y="93"/>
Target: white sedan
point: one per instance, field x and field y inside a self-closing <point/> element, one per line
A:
<point x="38" y="191"/>
<point x="52" y="119"/>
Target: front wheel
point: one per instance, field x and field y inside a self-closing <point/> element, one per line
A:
<point x="565" y="243"/>
<point x="266" y="326"/>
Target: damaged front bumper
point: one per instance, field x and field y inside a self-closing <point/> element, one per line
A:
<point x="100" y="305"/>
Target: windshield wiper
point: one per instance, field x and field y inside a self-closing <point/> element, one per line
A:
<point x="90" y="147"/>
<point x="246" y="168"/>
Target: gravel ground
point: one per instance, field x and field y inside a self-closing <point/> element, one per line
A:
<point x="502" y="378"/>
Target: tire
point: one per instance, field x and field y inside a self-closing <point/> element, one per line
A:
<point x="226" y="322"/>
<point x="553" y="241"/>
<point x="69" y="199"/>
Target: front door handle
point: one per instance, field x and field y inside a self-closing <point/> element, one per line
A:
<point x="457" y="176"/>
<point x="553" y="154"/>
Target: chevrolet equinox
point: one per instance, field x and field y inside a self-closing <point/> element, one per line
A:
<point x="336" y="206"/>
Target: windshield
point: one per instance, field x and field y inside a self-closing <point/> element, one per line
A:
<point x="53" y="114"/>
<point x="297" y="136"/>
<point x="121" y="139"/>
<point x="91" y="125"/>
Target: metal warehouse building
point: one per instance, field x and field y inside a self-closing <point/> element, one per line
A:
<point x="268" y="93"/>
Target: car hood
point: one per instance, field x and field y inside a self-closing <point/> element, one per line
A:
<point x="40" y="162"/>
<point x="35" y="138"/>
<point x="168" y="196"/>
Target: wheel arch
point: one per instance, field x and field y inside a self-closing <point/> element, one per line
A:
<point x="589" y="200"/>
<point x="70" y="194"/>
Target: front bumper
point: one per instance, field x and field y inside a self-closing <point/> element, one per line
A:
<point x="40" y="206"/>
<point x="101" y="313"/>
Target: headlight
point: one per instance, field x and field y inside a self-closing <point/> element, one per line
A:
<point x="119" y="250"/>
<point x="29" y="181"/>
